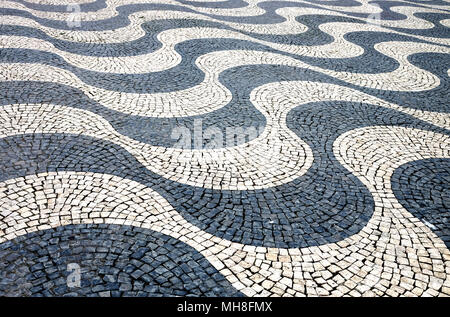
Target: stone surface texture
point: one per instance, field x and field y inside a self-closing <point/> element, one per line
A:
<point x="224" y="148"/>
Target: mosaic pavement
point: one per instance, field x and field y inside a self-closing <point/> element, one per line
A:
<point x="224" y="148"/>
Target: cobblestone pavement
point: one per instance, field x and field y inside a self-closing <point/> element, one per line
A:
<point x="224" y="148"/>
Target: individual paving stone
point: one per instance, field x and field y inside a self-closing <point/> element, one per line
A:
<point x="93" y="280"/>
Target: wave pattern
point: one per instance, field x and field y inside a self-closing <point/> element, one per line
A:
<point x="224" y="148"/>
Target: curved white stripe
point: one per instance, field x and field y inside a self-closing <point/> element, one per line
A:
<point x="111" y="10"/>
<point x="251" y="10"/>
<point x="106" y="199"/>
<point x="134" y="31"/>
<point x="275" y="157"/>
<point x="290" y="94"/>
<point x="197" y="100"/>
